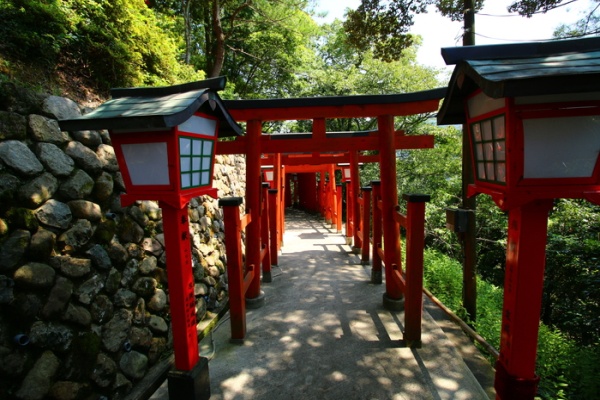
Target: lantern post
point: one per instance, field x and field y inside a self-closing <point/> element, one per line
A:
<point x="164" y="140"/>
<point x="534" y="136"/>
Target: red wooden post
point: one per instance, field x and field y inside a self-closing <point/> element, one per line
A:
<point x="281" y="225"/>
<point x="365" y="225"/>
<point x="325" y="197"/>
<point x="415" y="243"/>
<point x="338" y="207"/>
<point x="235" y="270"/>
<point x="308" y="187"/>
<point x="523" y="284"/>
<point x="355" y="184"/>
<point x="376" y="272"/>
<point x="255" y="297"/>
<point x="274" y="234"/>
<point x="181" y="286"/>
<point x="392" y="298"/>
<point x="358" y="228"/>
<point x="265" y="241"/>
<point x="320" y="184"/>
<point x="349" y="214"/>
<point x="331" y="197"/>
<point x="279" y="205"/>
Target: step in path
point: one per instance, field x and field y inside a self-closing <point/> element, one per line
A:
<point x="324" y="334"/>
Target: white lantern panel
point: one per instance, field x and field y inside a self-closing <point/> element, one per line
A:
<point x="561" y="147"/>
<point x="481" y="171"/>
<point x="500" y="150"/>
<point x="147" y="163"/>
<point x="206" y="163"/>
<point x="481" y="104"/>
<point x="479" y="153"/>
<point x="195" y="159"/>
<point x="186" y="180"/>
<point x="205" y="179"/>
<point x="185" y="146"/>
<point x="488" y="139"/>
<point x="501" y="172"/>
<point x="186" y="166"/>
<point x="200" y="125"/>
<point x="558" y="98"/>
<point x="489" y="171"/>
<point x="499" y="132"/>
<point x="476" y="128"/>
<point x="489" y="151"/>
<point x="486" y="127"/>
<point x="208" y="145"/>
<point x="196" y="163"/>
<point x="196" y="148"/>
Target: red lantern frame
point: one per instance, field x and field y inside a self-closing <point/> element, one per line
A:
<point x="171" y="193"/>
<point x="517" y="189"/>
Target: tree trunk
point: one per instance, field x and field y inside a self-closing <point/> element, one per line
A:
<point x="219" y="45"/>
<point x="187" y="20"/>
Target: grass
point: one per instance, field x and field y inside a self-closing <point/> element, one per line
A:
<point x="567" y="370"/>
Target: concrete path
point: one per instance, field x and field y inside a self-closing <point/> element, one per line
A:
<point x="324" y="334"/>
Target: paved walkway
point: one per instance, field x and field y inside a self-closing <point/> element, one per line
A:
<point x="324" y="334"/>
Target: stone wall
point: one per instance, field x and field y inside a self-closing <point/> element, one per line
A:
<point x="83" y="291"/>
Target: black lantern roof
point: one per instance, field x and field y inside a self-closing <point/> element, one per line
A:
<point x="156" y="108"/>
<point x="523" y="69"/>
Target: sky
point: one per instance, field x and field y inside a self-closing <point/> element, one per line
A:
<point x="493" y="25"/>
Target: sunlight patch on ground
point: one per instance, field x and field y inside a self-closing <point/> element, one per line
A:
<point x="240" y="385"/>
<point x="361" y="325"/>
<point x="337" y="376"/>
<point x="390" y="324"/>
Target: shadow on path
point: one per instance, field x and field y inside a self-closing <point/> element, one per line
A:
<point x="324" y="334"/>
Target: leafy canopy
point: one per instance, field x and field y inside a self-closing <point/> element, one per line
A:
<point x="384" y="26"/>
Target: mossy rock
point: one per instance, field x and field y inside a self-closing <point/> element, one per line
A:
<point x="22" y="218"/>
<point x="105" y="231"/>
<point x="84" y="359"/>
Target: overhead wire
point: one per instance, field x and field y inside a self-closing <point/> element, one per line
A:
<point x="571" y="36"/>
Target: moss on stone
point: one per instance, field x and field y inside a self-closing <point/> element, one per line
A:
<point x="22" y="218"/>
<point x="105" y="231"/>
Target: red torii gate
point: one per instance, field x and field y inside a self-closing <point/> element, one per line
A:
<point x="321" y="148"/>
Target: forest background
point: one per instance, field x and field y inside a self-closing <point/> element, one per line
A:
<point x="277" y="48"/>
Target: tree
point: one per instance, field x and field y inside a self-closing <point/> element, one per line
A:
<point x="267" y="55"/>
<point x="221" y="34"/>
<point x="590" y="25"/>
<point x="530" y="7"/>
<point x="104" y="44"/>
<point x="385" y="26"/>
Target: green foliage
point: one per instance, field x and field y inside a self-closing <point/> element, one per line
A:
<point x="111" y="43"/>
<point x="443" y="277"/>
<point x="492" y="227"/>
<point x="120" y="45"/>
<point x="267" y="59"/>
<point x="22" y="34"/>
<point x="435" y="172"/>
<point x="568" y="370"/>
<point x="383" y="26"/>
<point x="530" y="7"/>
<point x="554" y="359"/>
<point x="571" y="299"/>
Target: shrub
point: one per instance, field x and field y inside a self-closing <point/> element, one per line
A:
<point x="567" y="369"/>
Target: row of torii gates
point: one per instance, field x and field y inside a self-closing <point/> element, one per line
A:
<point x="303" y="156"/>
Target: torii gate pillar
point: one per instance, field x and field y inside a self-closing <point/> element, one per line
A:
<point x="393" y="298"/>
<point x="255" y="298"/>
